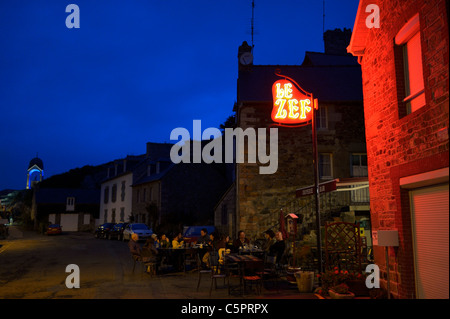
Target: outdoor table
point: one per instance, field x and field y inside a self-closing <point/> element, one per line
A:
<point x="174" y="256"/>
<point x="253" y="251"/>
<point x="243" y="262"/>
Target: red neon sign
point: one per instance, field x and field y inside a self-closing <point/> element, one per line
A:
<point x="290" y="106"/>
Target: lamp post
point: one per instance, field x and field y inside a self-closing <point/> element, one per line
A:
<point x="294" y="107"/>
<point x="316" y="187"/>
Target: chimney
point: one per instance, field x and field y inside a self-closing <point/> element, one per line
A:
<point x="336" y="41"/>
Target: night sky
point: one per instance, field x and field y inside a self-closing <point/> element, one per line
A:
<point x="134" y="71"/>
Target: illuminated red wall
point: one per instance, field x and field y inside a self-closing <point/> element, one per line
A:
<point x="398" y="144"/>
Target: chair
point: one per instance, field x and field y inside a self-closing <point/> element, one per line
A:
<point x="137" y="260"/>
<point x="190" y="257"/>
<point x="217" y="272"/>
<point x="270" y="270"/>
<point x="251" y="276"/>
<point x="201" y="271"/>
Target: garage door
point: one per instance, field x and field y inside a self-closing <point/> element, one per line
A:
<point x="430" y="211"/>
<point x="69" y="222"/>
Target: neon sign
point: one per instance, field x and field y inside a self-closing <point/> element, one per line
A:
<point x="290" y="106"/>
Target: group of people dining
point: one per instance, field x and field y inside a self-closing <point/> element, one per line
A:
<point x="274" y="245"/>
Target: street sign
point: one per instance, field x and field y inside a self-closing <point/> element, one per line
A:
<point x="323" y="188"/>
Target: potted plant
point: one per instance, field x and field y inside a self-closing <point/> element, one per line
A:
<point x="340" y="292"/>
<point x="354" y="282"/>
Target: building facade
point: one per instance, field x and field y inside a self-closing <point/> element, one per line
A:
<point x="178" y="195"/>
<point x="73" y="209"/>
<point x="405" y="80"/>
<point x="335" y="79"/>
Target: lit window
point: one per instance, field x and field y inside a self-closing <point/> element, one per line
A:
<point x="359" y="165"/>
<point x="325" y="166"/>
<point x="409" y="38"/>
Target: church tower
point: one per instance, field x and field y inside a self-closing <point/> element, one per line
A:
<point x="35" y="172"/>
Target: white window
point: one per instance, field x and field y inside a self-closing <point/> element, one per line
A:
<point x="70" y="204"/>
<point x="325" y="166"/>
<point x="359" y="165"/>
<point x="409" y="38"/>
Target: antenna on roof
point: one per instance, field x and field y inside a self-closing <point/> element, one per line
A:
<point x="253" y="18"/>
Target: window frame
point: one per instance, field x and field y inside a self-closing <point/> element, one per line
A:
<point x="321" y="176"/>
<point x="404" y="37"/>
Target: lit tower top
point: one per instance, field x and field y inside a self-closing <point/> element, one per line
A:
<point x="35" y="172"/>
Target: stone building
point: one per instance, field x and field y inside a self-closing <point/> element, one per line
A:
<point x="335" y="79"/>
<point x="405" y="65"/>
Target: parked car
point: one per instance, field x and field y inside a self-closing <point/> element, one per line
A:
<point x="54" y="229"/>
<point x="192" y="233"/>
<point x="142" y="230"/>
<point x="117" y="231"/>
<point x="103" y="230"/>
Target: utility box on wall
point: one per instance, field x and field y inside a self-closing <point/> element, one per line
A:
<point x="385" y="238"/>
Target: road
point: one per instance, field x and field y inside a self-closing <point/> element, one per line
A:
<point x="33" y="266"/>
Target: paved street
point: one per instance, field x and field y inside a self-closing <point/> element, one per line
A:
<point x="33" y="266"/>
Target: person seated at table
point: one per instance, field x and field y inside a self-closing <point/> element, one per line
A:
<point x="203" y="239"/>
<point x="177" y="241"/>
<point x="149" y="252"/>
<point x="270" y="240"/>
<point x="228" y="243"/>
<point x="214" y="244"/>
<point x="278" y="248"/>
<point x="135" y="248"/>
<point x="164" y="241"/>
<point x="241" y="241"/>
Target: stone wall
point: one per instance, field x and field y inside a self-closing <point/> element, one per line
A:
<point x="260" y="197"/>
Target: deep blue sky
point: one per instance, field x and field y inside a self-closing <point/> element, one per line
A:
<point x="135" y="70"/>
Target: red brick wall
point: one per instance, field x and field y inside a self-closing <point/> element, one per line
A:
<point x="399" y="144"/>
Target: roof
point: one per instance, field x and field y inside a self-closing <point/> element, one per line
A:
<point x="334" y="83"/>
<point x="360" y="32"/>
<point x="59" y="195"/>
<point x="322" y="59"/>
<point x="153" y="177"/>
<point x="36" y="161"/>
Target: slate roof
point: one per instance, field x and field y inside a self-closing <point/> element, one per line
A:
<point x="153" y="177"/>
<point x="331" y="78"/>
<point x="59" y="195"/>
<point x="323" y="59"/>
